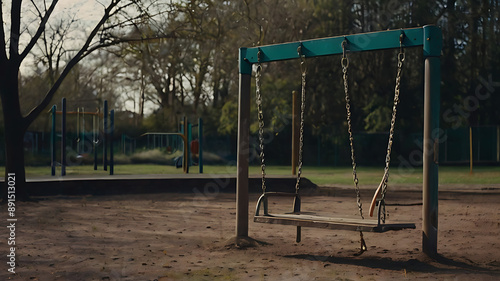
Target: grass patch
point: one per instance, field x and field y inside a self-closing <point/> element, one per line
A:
<point x="318" y="175"/>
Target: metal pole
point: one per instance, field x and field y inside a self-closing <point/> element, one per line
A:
<point x="185" y="162"/>
<point x="105" y="138"/>
<point x="95" y="136"/>
<point x="478" y="132"/>
<point x="63" y="138"/>
<point x="432" y="79"/>
<point x="470" y="149"/>
<point x="295" y="132"/>
<point x="498" y="143"/>
<point x="319" y="150"/>
<point x="243" y="156"/>
<point x="200" y="145"/>
<point x="78" y="131"/>
<point x="190" y="139"/>
<point x="53" y="142"/>
<point x="111" y="134"/>
<point x="446" y="146"/>
<point x="83" y="131"/>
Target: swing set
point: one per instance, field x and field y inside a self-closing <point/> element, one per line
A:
<point x="430" y="39"/>
<point x="85" y="141"/>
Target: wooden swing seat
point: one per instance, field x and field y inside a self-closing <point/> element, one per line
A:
<point x="302" y="219"/>
<point x="331" y="223"/>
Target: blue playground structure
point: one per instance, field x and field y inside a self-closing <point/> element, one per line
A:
<point x="95" y="137"/>
<point x="172" y="142"/>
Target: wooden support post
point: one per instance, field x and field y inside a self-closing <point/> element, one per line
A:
<point x="432" y="83"/>
<point x="243" y="156"/>
<point x="295" y="132"/>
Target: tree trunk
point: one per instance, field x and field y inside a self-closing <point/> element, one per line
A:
<point x="14" y="160"/>
<point x="15" y="128"/>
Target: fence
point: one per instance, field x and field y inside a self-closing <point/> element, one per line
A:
<point x="454" y="147"/>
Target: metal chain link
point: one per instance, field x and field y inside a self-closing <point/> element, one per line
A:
<point x="260" y="115"/>
<point x="401" y="58"/>
<point x="345" y="66"/>
<point x="303" y="70"/>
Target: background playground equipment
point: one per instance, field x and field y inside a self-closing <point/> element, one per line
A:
<point x="97" y="137"/>
<point x="171" y="143"/>
<point x="428" y="37"/>
<point x="195" y="147"/>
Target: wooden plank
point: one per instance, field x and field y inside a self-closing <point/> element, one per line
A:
<point x="352" y="224"/>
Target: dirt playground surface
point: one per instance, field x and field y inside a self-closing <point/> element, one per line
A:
<point x="185" y="237"/>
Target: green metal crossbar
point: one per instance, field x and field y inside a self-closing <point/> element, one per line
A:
<point x="413" y="37"/>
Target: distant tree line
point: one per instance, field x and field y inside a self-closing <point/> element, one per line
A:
<point x="160" y="60"/>
<point x="192" y="69"/>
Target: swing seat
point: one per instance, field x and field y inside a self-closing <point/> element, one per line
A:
<point x="302" y="219"/>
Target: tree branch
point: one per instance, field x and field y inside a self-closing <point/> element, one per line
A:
<point x="84" y="51"/>
<point x="67" y="69"/>
<point x="3" y="52"/>
<point x="15" y="29"/>
<point x="39" y="31"/>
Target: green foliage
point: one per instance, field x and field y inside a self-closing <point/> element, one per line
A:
<point x="193" y="71"/>
<point x="228" y="122"/>
<point x="162" y="120"/>
<point x="378" y="116"/>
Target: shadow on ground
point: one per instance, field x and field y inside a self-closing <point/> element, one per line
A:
<point x="440" y="264"/>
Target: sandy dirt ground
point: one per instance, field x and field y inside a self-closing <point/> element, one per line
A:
<point x="185" y="237"/>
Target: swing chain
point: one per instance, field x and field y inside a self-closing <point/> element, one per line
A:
<point x="345" y="66"/>
<point x="260" y="115"/>
<point x="401" y="58"/>
<point x="303" y="69"/>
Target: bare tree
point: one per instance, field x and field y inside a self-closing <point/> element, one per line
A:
<point x="18" y="43"/>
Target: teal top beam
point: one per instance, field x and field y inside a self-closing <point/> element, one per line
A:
<point x="433" y="41"/>
<point x="413" y="37"/>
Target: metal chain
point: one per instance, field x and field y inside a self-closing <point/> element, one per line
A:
<point x="401" y="58"/>
<point x="303" y="69"/>
<point x="260" y="115"/>
<point x="345" y="66"/>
